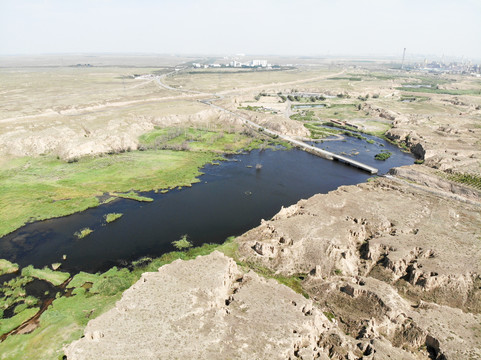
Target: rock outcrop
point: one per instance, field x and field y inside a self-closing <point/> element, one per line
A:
<point x="208" y="308"/>
<point x="394" y="262"/>
<point x="445" y="143"/>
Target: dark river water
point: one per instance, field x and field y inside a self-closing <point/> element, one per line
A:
<point x="230" y="199"/>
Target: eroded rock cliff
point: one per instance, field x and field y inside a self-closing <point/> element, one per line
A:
<point x="209" y="308"/>
<point x="391" y="260"/>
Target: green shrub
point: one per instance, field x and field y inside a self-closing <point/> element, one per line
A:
<point x="112" y="217"/>
<point x="19" y="308"/>
<point x="182" y="243"/>
<point x="112" y="285"/>
<point x="83" y="233"/>
<point x="383" y="156"/>
<point x="330" y="316"/>
<point x="467" y="179"/>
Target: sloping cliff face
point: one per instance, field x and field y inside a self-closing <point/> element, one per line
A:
<point x="392" y="260"/>
<point x="446" y="143"/>
<point x="209" y="308"/>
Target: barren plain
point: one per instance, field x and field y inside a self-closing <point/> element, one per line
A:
<point x="385" y="269"/>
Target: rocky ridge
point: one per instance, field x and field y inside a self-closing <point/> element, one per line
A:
<point x="390" y="261"/>
<point x="209" y="308"/>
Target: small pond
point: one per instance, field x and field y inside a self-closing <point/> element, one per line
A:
<point x="308" y="106"/>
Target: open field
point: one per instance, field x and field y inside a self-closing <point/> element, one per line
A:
<point x="84" y="111"/>
<point x="215" y="81"/>
<point x="34" y="90"/>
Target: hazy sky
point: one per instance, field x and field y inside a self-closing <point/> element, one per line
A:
<point x="290" y="27"/>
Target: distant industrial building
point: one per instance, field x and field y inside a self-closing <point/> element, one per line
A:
<point x="255" y="63"/>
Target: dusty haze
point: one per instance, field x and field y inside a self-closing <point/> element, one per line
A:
<point x="346" y="27"/>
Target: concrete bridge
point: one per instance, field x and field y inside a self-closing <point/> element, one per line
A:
<point x="300" y="144"/>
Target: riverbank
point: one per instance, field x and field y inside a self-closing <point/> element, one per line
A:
<point x="391" y="266"/>
<point x="39" y="188"/>
<point x="84" y="297"/>
<point x="115" y="280"/>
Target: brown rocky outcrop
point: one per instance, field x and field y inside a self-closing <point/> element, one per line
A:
<point x="383" y="257"/>
<point x="208" y="308"/>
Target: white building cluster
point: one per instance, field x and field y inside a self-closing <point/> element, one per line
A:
<point x="236" y="64"/>
<point x="262" y="63"/>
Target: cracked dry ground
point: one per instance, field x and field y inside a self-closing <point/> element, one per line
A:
<point x="394" y="266"/>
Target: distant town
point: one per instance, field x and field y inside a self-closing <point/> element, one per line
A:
<point x="237" y="64"/>
<point x="464" y="68"/>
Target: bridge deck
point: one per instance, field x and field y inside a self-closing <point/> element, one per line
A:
<point x="309" y="148"/>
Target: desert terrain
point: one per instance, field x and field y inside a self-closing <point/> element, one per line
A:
<point x="388" y="268"/>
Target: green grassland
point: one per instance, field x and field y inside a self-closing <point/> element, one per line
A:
<point x="45" y="187"/>
<point x="54" y="277"/>
<point x="112" y="217"/>
<point x="333" y="110"/>
<point x="466" y="179"/>
<point x="13" y="293"/>
<point x="83" y="233"/>
<point x="341" y="111"/>
<point x="319" y="131"/>
<point x="9" y="324"/>
<point x="133" y="196"/>
<point x="6" y="267"/>
<point x="193" y="139"/>
<point x="41" y="188"/>
<point x="434" y="90"/>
